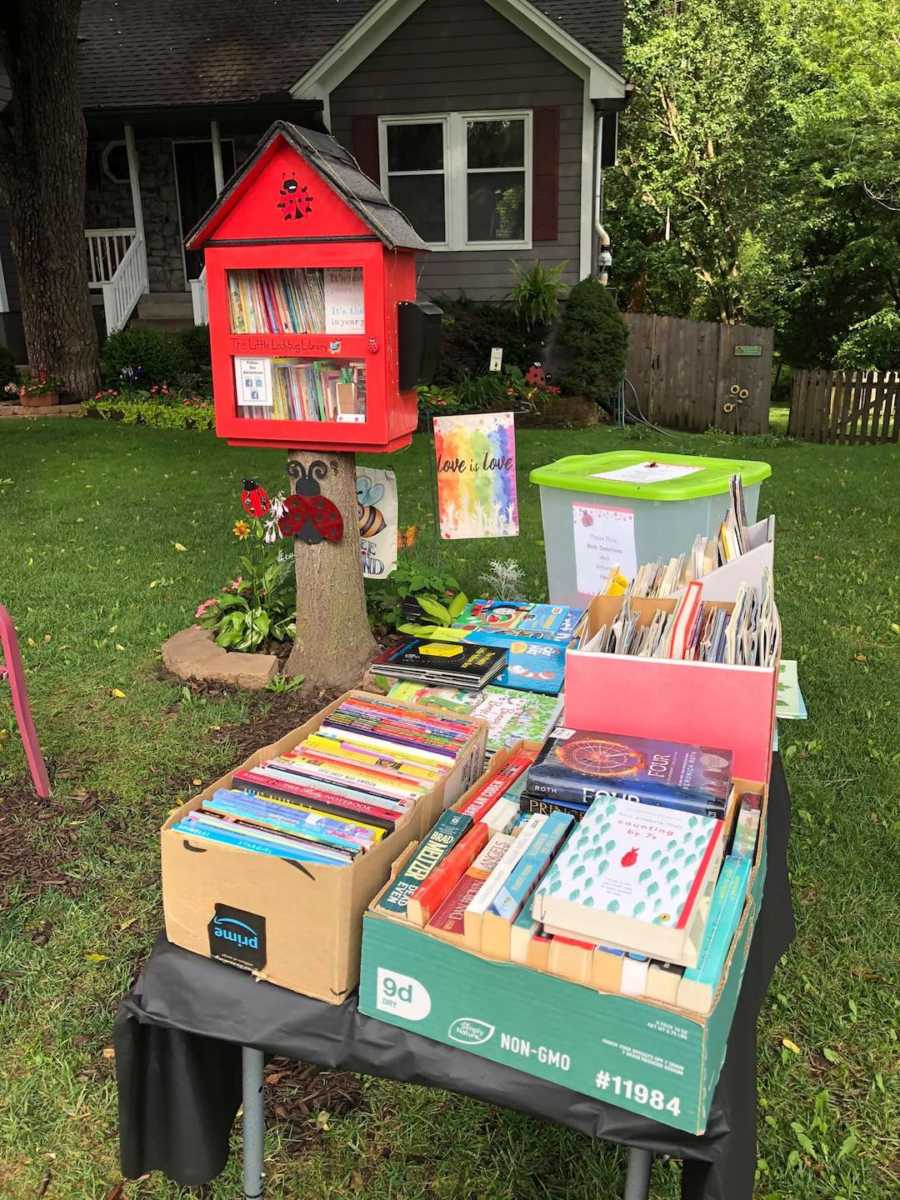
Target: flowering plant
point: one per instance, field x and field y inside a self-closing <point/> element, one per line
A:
<point x="258" y="606"/>
<point x="40" y="384"/>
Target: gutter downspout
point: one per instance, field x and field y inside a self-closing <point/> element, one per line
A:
<point x="602" y="252"/>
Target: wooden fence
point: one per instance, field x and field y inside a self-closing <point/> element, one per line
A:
<point x="849" y="407"/>
<point x="696" y="374"/>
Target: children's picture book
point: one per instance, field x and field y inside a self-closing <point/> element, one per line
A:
<point x="575" y="766"/>
<point x="455" y="664"/>
<point x="511" y="715"/>
<point x="634" y="876"/>
<point x="514" y="619"/>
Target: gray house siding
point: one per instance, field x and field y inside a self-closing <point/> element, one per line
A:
<point x="458" y="56"/>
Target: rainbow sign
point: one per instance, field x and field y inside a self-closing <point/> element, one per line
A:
<point x="475" y="457"/>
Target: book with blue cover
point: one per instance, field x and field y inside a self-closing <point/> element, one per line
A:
<point x="698" y="986"/>
<point x="576" y="766"/>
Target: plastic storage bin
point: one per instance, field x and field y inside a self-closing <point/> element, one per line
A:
<point x="629" y="507"/>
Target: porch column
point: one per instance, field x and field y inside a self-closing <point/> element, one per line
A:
<point x="135" y="180"/>
<point x="217" y="156"/>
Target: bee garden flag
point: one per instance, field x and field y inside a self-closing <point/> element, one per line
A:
<point x="376" y="499"/>
<point x="475" y="456"/>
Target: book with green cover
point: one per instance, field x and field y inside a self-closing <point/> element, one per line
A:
<point x="433" y="849"/>
<point x="636" y="876"/>
<point x="510" y="715"/>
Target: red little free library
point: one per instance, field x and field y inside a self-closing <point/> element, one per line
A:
<point x="317" y="340"/>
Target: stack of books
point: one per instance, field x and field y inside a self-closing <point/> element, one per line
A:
<point x="619" y="885"/>
<point x="339" y="792"/>
<point x="450" y="664"/>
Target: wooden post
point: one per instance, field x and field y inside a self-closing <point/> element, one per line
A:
<point x="218" y="170"/>
<point x="333" y="644"/>
<point x="134" y="179"/>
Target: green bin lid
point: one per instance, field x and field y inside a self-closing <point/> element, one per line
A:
<point x="631" y="473"/>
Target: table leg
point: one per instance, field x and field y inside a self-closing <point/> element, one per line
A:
<point x="637" y="1182"/>
<point x="252" y="1062"/>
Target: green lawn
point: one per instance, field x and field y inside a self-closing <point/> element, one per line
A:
<point x="90" y="516"/>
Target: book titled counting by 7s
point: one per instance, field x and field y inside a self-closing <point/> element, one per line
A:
<point x="577" y="765"/>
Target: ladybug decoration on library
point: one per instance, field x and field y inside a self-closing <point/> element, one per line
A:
<point x="308" y="515"/>
<point x="295" y="199"/>
<point x="255" y="499"/>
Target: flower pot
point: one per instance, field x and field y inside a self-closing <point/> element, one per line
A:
<point x="42" y="400"/>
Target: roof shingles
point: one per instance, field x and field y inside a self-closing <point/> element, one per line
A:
<point x="158" y="53"/>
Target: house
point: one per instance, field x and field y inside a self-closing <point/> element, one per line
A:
<point x="485" y="121"/>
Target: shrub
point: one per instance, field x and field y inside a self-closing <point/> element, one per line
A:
<point x="873" y="344"/>
<point x="469" y="331"/>
<point x="142" y="357"/>
<point x="195" y="340"/>
<point x="8" y="372"/>
<point x="593" y="339"/>
<point x="536" y="295"/>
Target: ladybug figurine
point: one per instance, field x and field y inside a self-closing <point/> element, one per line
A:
<point x="308" y="514"/>
<point x="255" y="499"/>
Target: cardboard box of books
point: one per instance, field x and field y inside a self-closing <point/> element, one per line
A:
<point x="696" y="703"/>
<point x="649" y="1036"/>
<point x="296" y="924"/>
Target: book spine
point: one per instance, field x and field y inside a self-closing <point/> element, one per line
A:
<point x="727" y="906"/>
<point x="508" y="862"/>
<point x="546" y="805"/>
<point x="430" y="895"/>
<point x="337" y="831"/>
<point x="241" y="841"/>
<point x="412" y="718"/>
<point x="527" y="872"/>
<point x="444" y="835"/>
<point x="370" y="757"/>
<point x="313" y="798"/>
<point x="548" y="782"/>
<point x="489" y="792"/>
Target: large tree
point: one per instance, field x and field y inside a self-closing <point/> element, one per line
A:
<point x="43" y="146"/>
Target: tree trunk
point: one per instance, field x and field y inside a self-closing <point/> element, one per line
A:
<point x="333" y="644"/>
<point x="43" y="147"/>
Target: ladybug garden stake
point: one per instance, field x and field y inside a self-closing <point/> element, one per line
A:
<point x="255" y="499"/>
<point x="308" y="515"/>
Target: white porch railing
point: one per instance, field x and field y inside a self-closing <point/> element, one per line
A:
<point x="198" y="299"/>
<point x="105" y="250"/>
<point x="128" y="284"/>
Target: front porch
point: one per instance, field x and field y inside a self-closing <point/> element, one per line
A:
<point x="151" y="176"/>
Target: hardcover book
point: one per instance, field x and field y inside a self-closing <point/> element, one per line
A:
<point x="511" y="715"/>
<point x="448" y="922"/>
<point x="634" y="876"/>
<point x="455" y="664"/>
<point x="520" y="619"/>
<point x="576" y="766"/>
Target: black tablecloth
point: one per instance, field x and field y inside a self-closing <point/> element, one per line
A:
<point x="179" y="1032"/>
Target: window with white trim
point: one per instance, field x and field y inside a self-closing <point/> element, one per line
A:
<point x="464" y="180"/>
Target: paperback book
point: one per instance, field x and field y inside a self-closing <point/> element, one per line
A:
<point x="637" y="877"/>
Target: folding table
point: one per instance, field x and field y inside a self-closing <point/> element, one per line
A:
<point x="192" y="1037"/>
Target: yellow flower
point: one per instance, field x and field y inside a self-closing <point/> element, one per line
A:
<point x="241" y="530"/>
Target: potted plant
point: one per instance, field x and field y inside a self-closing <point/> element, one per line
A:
<point x="40" y="391"/>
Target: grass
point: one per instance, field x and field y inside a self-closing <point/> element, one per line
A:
<point x="90" y="516"/>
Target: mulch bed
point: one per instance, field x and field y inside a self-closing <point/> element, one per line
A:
<point x="37" y="837"/>
<point x="304" y="1097"/>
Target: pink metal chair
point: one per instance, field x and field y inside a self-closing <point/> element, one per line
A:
<point x="11" y="669"/>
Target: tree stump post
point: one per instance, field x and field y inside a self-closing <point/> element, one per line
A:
<point x="333" y="644"/>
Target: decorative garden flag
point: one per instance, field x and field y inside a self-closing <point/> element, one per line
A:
<point x="376" y="497"/>
<point x="476" y="475"/>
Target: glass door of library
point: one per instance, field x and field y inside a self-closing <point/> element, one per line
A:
<point x="196" y="179"/>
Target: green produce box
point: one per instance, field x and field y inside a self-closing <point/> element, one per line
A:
<point x="650" y="1058"/>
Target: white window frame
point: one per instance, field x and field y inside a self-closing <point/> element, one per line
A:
<point x="456" y="172"/>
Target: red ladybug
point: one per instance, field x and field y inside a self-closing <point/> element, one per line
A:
<point x="255" y="499"/>
<point x="308" y="514"/>
<point x="629" y="859"/>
